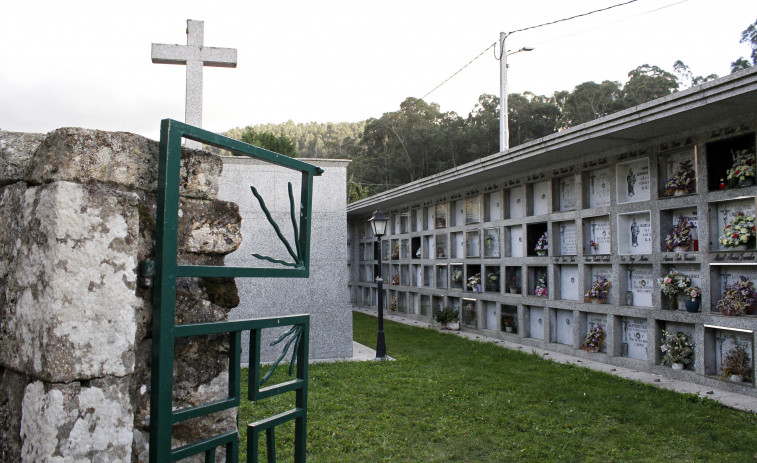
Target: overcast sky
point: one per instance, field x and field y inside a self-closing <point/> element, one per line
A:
<point x="87" y="63"/>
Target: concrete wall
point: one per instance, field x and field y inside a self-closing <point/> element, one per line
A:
<point x="324" y="295"/>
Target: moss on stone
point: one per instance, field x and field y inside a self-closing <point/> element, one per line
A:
<point x="221" y="291"/>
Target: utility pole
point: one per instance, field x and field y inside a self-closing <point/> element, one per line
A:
<point x="504" y="129"/>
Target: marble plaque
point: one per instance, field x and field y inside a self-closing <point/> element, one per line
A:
<point x="641" y="284"/>
<point x="567" y="232"/>
<point x="672" y="161"/>
<point x="635" y="233"/>
<point x="634" y="336"/>
<point x="563" y="328"/>
<point x="458" y="245"/>
<point x="517" y="203"/>
<point x="691" y="271"/>
<point x="491" y="315"/>
<point x="593" y="320"/>
<point x="428" y="277"/>
<point x="494" y="205"/>
<point x="541" y="198"/>
<point x="725" y="340"/>
<point x="536" y="322"/>
<point x="472" y="210"/>
<point x="726" y="213"/>
<point x="599" y="232"/>
<point x="516" y="241"/>
<point x="567" y="186"/>
<point x="728" y="275"/>
<point x="569" y="282"/>
<point x="633" y="181"/>
<point x="600" y="181"/>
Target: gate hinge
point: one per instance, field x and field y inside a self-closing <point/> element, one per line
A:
<point x="145" y="273"/>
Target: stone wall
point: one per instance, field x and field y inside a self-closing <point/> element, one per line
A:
<point x="77" y="212"/>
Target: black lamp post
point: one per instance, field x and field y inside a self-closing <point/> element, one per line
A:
<point x="378" y="224"/>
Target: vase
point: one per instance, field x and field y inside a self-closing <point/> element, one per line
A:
<point x="453" y="326"/>
<point x="681" y="249"/>
<point x="596" y="300"/>
<point x="740" y="247"/>
<point x="692" y="306"/>
<point x="673" y="302"/>
<point x="737" y="378"/>
<point x="677" y="366"/>
<point x="748" y="181"/>
<point x="679" y="193"/>
<point x="513" y="291"/>
<point x="541" y="253"/>
<point x="508" y="329"/>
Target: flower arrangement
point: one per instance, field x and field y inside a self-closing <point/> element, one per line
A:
<point x="742" y="169"/>
<point x="681" y="235"/>
<point x="599" y="290"/>
<point x="594" y="339"/>
<point x="738" y="297"/>
<point x="674" y="283"/>
<point x="542" y="245"/>
<point x="457" y="276"/>
<point x="447" y="314"/>
<point x="396" y="251"/>
<point x="677" y="348"/>
<point x="741" y="231"/>
<point x="683" y="180"/>
<point x="393" y="305"/>
<point x="593" y="244"/>
<point x="737" y="363"/>
<point x="396" y="279"/>
<point x="512" y="285"/>
<point x="541" y="285"/>
<point x="694" y="292"/>
<point x="492" y="277"/>
<point x="474" y="281"/>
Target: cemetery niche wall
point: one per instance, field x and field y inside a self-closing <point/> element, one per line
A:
<point x="574" y="235"/>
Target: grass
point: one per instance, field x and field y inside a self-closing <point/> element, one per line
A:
<point x="447" y="399"/>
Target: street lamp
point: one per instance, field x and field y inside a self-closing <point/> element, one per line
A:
<point x="378" y="224"/>
<point x="504" y="129"/>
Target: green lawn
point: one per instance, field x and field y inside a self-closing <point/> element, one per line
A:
<point x="449" y="399"/>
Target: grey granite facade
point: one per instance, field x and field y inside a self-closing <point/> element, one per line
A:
<point x="600" y="194"/>
<point x="323" y="295"/>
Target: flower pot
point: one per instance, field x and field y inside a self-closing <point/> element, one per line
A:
<point x="736" y="378"/>
<point x="541" y="253"/>
<point x="677" y="366"/>
<point x="513" y="291"/>
<point x="454" y="326"/>
<point x="681" y="249"/>
<point x="741" y="247"/>
<point x="748" y="181"/>
<point x="508" y="329"/>
<point x="679" y="193"/>
<point x="596" y="300"/>
<point x="692" y="306"/>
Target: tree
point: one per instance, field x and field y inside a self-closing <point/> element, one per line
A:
<point x="587" y="102"/>
<point x="748" y="36"/>
<point x="277" y="143"/>
<point x="686" y="76"/>
<point x="531" y="117"/>
<point x="647" y="83"/>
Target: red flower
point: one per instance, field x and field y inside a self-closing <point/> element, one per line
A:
<point x="737" y="173"/>
<point x="728" y="226"/>
<point x="735" y="235"/>
<point x="741" y="213"/>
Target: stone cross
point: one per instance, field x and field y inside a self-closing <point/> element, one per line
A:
<point x="194" y="55"/>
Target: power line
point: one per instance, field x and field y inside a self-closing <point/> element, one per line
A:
<point x="610" y="23"/>
<point x="572" y="17"/>
<point x="432" y="90"/>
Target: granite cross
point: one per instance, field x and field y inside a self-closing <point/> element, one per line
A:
<point x="194" y="55"/>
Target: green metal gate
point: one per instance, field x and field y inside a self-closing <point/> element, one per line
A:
<point x="165" y="331"/>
